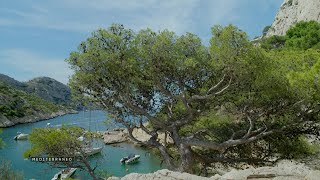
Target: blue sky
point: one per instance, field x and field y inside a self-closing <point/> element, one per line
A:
<point x="36" y="36"/>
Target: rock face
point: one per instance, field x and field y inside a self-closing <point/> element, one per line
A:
<point x="285" y="170"/>
<point x="121" y="135"/>
<point x="293" y="11"/>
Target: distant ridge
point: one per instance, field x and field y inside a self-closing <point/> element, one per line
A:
<point x="50" y="89"/>
<point x="12" y="82"/>
<point x="47" y="88"/>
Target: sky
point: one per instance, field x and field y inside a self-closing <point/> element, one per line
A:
<point x="36" y="36"/>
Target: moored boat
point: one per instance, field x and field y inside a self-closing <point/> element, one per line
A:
<point x="21" y="136"/>
<point x="91" y="151"/>
<point x="132" y="158"/>
<point x="64" y="174"/>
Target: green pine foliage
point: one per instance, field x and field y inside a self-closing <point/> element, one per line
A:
<point x="161" y="72"/>
<point x="303" y="35"/>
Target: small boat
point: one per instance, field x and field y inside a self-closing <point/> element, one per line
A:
<point x="64" y="174"/>
<point x="81" y="138"/>
<point x="132" y="158"/>
<point x="48" y="125"/>
<point x="91" y="151"/>
<point x="21" y="136"/>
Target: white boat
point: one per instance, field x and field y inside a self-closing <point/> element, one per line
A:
<point x="21" y="136"/>
<point x="64" y="174"/>
<point x="81" y="138"/>
<point x="91" y="151"/>
<point x="132" y="158"/>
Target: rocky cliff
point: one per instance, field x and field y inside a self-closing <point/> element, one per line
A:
<point x="293" y="11"/>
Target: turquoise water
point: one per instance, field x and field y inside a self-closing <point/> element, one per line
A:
<point x="108" y="160"/>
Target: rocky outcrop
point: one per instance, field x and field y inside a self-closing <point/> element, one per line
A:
<point x="285" y="170"/>
<point x="163" y="174"/>
<point x="121" y="135"/>
<point x="293" y="11"/>
<point x="115" y="136"/>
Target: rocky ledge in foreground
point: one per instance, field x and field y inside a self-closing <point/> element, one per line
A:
<point x="284" y="170"/>
<point x="5" y="122"/>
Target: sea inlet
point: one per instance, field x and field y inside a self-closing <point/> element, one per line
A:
<point x="108" y="160"/>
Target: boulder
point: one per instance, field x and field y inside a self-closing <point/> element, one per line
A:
<point x="112" y="137"/>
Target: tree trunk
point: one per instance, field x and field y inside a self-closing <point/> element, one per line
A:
<point x="187" y="160"/>
<point x="166" y="157"/>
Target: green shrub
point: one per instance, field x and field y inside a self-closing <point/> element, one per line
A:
<point x="303" y="35"/>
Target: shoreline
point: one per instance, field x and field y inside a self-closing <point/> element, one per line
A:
<point x="7" y="123"/>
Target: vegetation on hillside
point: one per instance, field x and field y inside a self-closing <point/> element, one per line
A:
<point x="229" y="102"/>
<point x="304" y="35"/>
<point x="44" y="87"/>
<point x="17" y="103"/>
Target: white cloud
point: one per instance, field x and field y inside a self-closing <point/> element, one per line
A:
<point x="33" y="64"/>
<point x="85" y="16"/>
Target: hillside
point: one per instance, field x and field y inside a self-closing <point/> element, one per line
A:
<point x="292" y="12"/>
<point x="50" y="90"/>
<point x="12" y="82"/>
<point x="44" y="87"/>
<point x="17" y="106"/>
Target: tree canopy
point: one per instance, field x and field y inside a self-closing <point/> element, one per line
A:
<point x="222" y="103"/>
<point x="62" y="142"/>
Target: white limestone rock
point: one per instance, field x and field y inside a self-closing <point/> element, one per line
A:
<point x="293" y="11"/>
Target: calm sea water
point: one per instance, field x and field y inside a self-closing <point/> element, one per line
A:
<point x="94" y="121"/>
